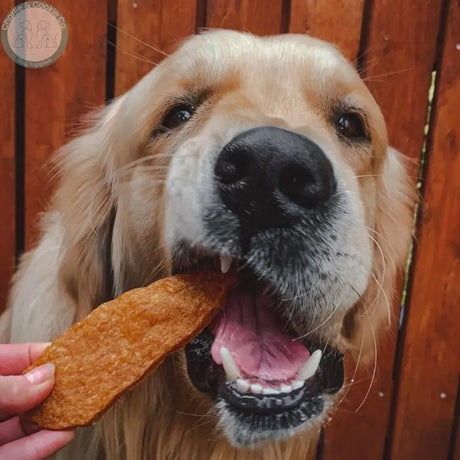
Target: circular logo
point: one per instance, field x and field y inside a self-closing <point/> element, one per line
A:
<point x="34" y="34"/>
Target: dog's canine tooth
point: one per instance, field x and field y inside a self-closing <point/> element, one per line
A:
<point x="311" y="366"/>
<point x="225" y="263"/>
<point x="242" y="385"/>
<point x="230" y="367"/>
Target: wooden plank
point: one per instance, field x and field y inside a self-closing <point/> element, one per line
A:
<point x="339" y="23"/>
<point x="7" y="166"/>
<point x="431" y="360"/>
<point x="58" y="95"/>
<point x="145" y="30"/>
<point x="454" y="452"/>
<point x="262" y="17"/>
<point x="398" y="66"/>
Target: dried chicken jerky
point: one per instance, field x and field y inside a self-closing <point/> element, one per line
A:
<point x="121" y="341"/>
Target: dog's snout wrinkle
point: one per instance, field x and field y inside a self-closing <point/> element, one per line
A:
<point x="269" y="177"/>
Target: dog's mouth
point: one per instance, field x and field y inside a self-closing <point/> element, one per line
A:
<point x="266" y="380"/>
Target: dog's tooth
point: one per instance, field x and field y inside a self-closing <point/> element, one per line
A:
<point x="242" y="385"/>
<point x="230" y="367"/>
<point x="256" y="388"/>
<point x="270" y="391"/>
<point x="311" y="366"/>
<point x="296" y="384"/>
<point x="225" y="263"/>
<point x="285" y="388"/>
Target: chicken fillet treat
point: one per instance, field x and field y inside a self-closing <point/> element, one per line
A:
<point x="121" y="342"/>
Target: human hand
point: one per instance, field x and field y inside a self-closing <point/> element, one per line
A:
<point x="20" y="439"/>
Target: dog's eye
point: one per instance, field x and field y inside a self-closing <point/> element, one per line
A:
<point x="177" y="116"/>
<point x="350" y="126"/>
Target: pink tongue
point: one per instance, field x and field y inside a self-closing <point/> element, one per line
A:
<point x="252" y="333"/>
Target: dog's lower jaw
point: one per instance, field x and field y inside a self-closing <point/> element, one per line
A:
<point x="241" y="437"/>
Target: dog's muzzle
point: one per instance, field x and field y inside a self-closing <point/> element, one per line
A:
<point x="273" y="205"/>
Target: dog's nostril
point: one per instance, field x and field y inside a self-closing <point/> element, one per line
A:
<point x="233" y="166"/>
<point x="302" y="187"/>
<point x="293" y="182"/>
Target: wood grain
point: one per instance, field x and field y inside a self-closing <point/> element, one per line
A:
<point x="7" y="166"/>
<point x="399" y="55"/>
<point x="454" y="453"/>
<point x="339" y="24"/>
<point x="145" y="31"/>
<point x="431" y="359"/>
<point x="262" y="17"/>
<point x="398" y="58"/>
<point x="57" y="96"/>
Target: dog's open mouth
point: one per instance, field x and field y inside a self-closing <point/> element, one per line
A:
<point x="267" y="380"/>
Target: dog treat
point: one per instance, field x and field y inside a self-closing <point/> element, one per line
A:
<point x="121" y="342"/>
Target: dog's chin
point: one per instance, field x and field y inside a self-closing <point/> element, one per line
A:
<point x="266" y="383"/>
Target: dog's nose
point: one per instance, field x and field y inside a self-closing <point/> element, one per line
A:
<point x="270" y="177"/>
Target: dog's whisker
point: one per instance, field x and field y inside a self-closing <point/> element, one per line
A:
<point x="191" y="414"/>
<point x="322" y="323"/>
<point x="154" y="48"/>
<point x="380" y="175"/>
<point x="374" y="370"/>
<point x="377" y="233"/>
<point x="355" y="371"/>
<point x="385" y="75"/>
<point x="367" y="175"/>
<point x="383" y="277"/>
<point x="141" y="169"/>
<point x="133" y="55"/>
<point x="138" y="161"/>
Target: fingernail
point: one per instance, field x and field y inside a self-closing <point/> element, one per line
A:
<point x="40" y="374"/>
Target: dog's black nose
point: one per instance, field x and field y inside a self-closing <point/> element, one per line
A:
<point x="269" y="177"/>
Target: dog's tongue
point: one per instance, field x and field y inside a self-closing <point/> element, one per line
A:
<point x="256" y="338"/>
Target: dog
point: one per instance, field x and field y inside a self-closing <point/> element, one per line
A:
<point x="264" y="155"/>
<point x="24" y="38"/>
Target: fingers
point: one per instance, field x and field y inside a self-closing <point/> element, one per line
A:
<point x="16" y="357"/>
<point x="22" y="392"/>
<point x="36" y="446"/>
<point x="19" y="393"/>
<point x="15" y="428"/>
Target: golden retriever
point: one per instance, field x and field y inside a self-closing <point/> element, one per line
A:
<point x="266" y="155"/>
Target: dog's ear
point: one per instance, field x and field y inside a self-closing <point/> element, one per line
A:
<point x="87" y="204"/>
<point x="395" y="199"/>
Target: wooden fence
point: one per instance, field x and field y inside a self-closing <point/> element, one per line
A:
<point x="401" y="48"/>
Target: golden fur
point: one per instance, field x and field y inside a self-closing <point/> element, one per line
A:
<point x="61" y="280"/>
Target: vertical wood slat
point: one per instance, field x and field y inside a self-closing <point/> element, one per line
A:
<point x="431" y="360"/>
<point x="7" y="166"/>
<point x="160" y="24"/>
<point x="262" y="17"/>
<point x="58" y="95"/>
<point x="399" y="53"/>
<point x="454" y="453"/>
<point x="339" y="23"/>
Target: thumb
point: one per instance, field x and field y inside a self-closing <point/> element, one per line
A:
<point x="19" y="393"/>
